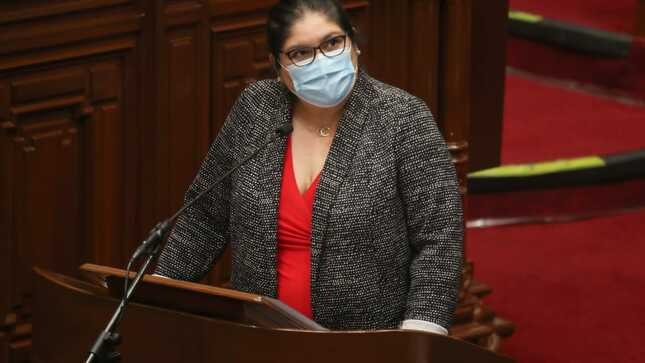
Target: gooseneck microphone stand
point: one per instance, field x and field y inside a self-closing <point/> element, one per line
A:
<point x="103" y="349"/>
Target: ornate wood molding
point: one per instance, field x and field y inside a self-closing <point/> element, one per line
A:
<point x="474" y="321"/>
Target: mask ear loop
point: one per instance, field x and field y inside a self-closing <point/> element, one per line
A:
<point x="277" y="69"/>
<point x="277" y="72"/>
<point x="357" y="33"/>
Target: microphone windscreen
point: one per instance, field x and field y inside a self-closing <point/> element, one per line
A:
<point x="284" y="130"/>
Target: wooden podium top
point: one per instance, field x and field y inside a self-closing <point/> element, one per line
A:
<point x="204" y="300"/>
<point x="69" y="314"/>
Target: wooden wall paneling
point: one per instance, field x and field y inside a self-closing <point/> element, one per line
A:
<point x="454" y="119"/>
<point x="239" y="53"/>
<point x="405" y="45"/>
<point x="235" y="66"/>
<point x="51" y="31"/>
<point x="131" y="91"/>
<point x="361" y="18"/>
<point x="4" y="347"/>
<point x="220" y="9"/>
<point x="69" y="113"/>
<point x="56" y="38"/>
<point x="453" y="111"/>
<point x="45" y="175"/>
<point x="13" y="11"/>
<point x="488" y="76"/>
<point x="182" y="104"/>
<point x="105" y="165"/>
<point x="182" y="99"/>
<point x="46" y="168"/>
<point x="474" y="321"/>
<point x="149" y="210"/>
<point x="7" y="128"/>
<point x="423" y="51"/>
<point x="238" y="57"/>
<point x="68" y="168"/>
<point x="454" y="114"/>
<point x="388" y="56"/>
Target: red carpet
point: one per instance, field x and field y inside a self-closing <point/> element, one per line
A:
<point x="559" y="204"/>
<point x="624" y="76"/>
<point x="576" y="291"/>
<point x="609" y="15"/>
<point x="545" y="122"/>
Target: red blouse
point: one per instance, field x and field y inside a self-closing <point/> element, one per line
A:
<point x="294" y="239"/>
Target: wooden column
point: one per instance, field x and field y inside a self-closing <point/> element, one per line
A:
<point x="487" y="82"/>
<point x="474" y="321"/>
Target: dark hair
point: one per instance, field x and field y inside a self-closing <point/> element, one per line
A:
<point x="284" y="14"/>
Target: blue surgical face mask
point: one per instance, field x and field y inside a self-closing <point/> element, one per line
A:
<point x="327" y="81"/>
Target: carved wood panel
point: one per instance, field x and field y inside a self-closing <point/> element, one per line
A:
<point x="182" y="99"/>
<point x="184" y="154"/>
<point x="238" y="57"/>
<point x="64" y="131"/>
<point x="47" y="168"/>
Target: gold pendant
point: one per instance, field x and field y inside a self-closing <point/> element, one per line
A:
<point x="324" y="131"/>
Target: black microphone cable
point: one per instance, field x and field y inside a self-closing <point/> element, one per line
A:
<point x="147" y="245"/>
<point x="103" y="348"/>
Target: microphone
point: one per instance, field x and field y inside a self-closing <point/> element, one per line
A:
<point x="103" y="349"/>
<point x="284" y="130"/>
<point x="162" y="227"/>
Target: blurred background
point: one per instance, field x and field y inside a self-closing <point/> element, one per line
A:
<point x="560" y="236"/>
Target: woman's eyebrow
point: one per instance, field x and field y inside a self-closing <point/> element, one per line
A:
<point x="331" y="35"/>
<point x="326" y="37"/>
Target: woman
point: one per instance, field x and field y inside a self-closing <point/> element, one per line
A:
<point x="355" y="218"/>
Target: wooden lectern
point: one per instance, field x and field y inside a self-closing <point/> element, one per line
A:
<point x="178" y="321"/>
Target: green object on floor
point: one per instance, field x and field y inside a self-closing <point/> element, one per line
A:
<point x="547" y="167"/>
<point x="568" y="35"/>
<point x="524" y="16"/>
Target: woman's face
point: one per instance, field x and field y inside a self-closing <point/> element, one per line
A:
<point x="310" y="31"/>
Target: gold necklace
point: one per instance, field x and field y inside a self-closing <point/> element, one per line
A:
<point x="324" y="131"/>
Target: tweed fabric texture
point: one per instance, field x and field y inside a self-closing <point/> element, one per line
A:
<point x="387" y="224"/>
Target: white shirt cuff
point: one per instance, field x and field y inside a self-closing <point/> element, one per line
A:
<point x="413" y="324"/>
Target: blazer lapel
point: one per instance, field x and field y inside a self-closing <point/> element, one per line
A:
<point x="269" y="182"/>
<point x="337" y="164"/>
<point x="339" y="160"/>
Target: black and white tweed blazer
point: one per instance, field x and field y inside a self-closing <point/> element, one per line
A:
<point x="387" y="229"/>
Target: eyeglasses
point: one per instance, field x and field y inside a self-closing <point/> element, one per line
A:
<point x="304" y="56"/>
